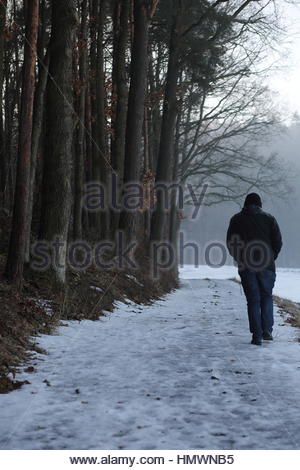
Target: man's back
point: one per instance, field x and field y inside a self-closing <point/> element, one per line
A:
<point x="253" y="226"/>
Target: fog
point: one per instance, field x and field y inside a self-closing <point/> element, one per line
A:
<point x="212" y="222"/>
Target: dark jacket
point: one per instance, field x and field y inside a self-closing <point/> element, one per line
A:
<point x="254" y="239"/>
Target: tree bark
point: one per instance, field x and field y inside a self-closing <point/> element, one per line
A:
<point x="135" y="113"/>
<point x="57" y="196"/>
<point x="155" y="114"/>
<point x="88" y="152"/>
<point x="119" y="97"/>
<point x="38" y="119"/>
<point x="101" y="162"/>
<point x="15" y="261"/>
<point x="80" y="145"/>
<point x="99" y="149"/>
<point x="166" y="151"/>
<point x="3" y="6"/>
<point x="94" y="218"/>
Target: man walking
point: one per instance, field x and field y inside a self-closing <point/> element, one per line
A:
<point x="254" y="240"/>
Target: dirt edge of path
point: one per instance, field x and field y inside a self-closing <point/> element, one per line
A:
<point x="42" y="306"/>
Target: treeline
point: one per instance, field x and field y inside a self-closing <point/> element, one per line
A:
<point x="128" y="91"/>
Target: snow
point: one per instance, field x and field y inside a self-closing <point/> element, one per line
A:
<point x="133" y="278"/>
<point x="99" y="289"/>
<point x="287" y="279"/>
<point x="288" y="284"/>
<point x="46" y="305"/>
<point x="178" y="374"/>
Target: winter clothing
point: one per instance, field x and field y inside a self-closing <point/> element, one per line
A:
<point x="253" y="199"/>
<point x="267" y="336"/>
<point x="257" y="342"/>
<point x="258" y="288"/>
<point x="254" y="240"/>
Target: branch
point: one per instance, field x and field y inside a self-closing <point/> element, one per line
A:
<point x="194" y="25"/>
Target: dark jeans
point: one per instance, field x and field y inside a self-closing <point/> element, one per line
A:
<point x="258" y="288"/>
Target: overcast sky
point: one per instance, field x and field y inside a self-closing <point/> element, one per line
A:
<point x="286" y="83"/>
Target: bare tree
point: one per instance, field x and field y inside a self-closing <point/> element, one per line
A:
<point x="121" y="10"/>
<point x="57" y="196"/>
<point x="17" y="246"/>
<point x="80" y="145"/>
<point x="143" y="12"/>
<point x="3" y="7"/>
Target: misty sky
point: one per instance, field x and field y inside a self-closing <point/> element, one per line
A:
<point x="286" y="80"/>
<point x="213" y="222"/>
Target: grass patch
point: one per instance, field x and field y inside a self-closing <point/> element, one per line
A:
<point x="292" y="308"/>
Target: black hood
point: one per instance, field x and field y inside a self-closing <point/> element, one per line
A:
<point x="252" y="208"/>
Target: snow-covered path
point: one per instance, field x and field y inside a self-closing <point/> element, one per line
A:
<point x="179" y="374"/>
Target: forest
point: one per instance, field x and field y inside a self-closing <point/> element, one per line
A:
<point x="130" y="132"/>
<point x="137" y="98"/>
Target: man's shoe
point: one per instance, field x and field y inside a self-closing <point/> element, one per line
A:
<point x="267" y="336"/>
<point x="257" y="342"/>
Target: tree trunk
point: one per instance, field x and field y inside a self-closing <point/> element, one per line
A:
<point x="80" y="146"/>
<point x="97" y="11"/>
<point x="88" y="151"/>
<point x="101" y="163"/>
<point x="57" y="196"/>
<point x="166" y="150"/>
<point x="3" y="5"/>
<point x="119" y="98"/>
<point x="17" y="55"/>
<point x="155" y="112"/>
<point x="15" y="261"/>
<point x="38" y="119"/>
<point x="94" y="7"/>
<point x="175" y="220"/>
<point x="135" y="113"/>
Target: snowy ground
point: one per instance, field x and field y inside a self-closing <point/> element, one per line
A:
<point x="179" y="374"/>
<point x="287" y="279"/>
